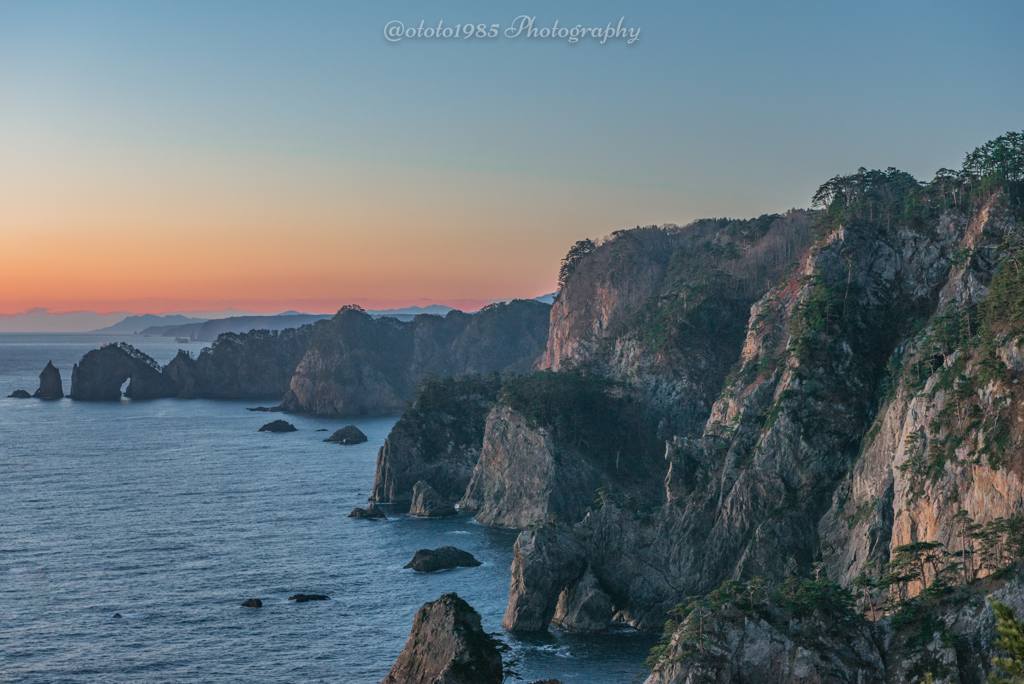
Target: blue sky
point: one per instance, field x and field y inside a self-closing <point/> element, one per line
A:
<point x="451" y="168"/>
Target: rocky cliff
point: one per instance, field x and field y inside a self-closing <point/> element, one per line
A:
<point x="437" y="439"/>
<point x="871" y="403"/>
<point x="358" y="365"/>
<point x="101" y="373"/>
<point x="808" y="631"/>
<point x="447" y="645"/>
<point x="254" y="365"/>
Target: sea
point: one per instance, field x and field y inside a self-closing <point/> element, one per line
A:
<point x="172" y="512"/>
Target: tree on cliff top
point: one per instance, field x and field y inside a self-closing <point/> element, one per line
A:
<point x="572" y="259"/>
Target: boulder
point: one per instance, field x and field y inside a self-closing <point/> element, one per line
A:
<point x="583" y="606"/>
<point x="428" y="503"/>
<point x="444" y="558"/>
<point x="116" y="616"/>
<point x="303" y="598"/>
<point x="50" y="386"/>
<point x="371" y="512"/>
<point x="447" y="645"/>
<point x="349" y="434"/>
<point x="252" y="603"/>
<point x="19" y="394"/>
<point x="278" y="426"/>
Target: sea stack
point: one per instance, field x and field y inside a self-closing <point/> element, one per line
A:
<point x="50" y="386"/>
<point x="447" y="645"/>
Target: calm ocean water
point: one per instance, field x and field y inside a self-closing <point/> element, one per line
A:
<point x="172" y="512"/>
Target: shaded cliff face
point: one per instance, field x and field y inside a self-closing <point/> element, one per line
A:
<point x="447" y="645"/>
<point x="101" y="373"/>
<point x="437" y="439"/>
<point x="557" y="442"/>
<point x="665" y="309"/>
<point x="787" y="470"/>
<point x="808" y="631"/>
<point x="949" y="435"/>
<point x="254" y="365"/>
<point x="357" y="365"/>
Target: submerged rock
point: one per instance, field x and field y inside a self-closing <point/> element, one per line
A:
<point x="428" y="503"/>
<point x="303" y="598"/>
<point x="444" y="558"/>
<point x="371" y="512"/>
<point x="278" y="426"/>
<point x="252" y="603"/>
<point x="349" y="434"/>
<point x="116" y="616"/>
<point x="266" y="409"/>
<point x="447" y="645"/>
<point x="50" y="386"/>
<point x="19" y="394"/>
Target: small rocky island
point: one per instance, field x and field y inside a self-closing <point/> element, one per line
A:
<point x="448" y="645"/>
<point x="278" y="426"/>
<point x="371" y="512"/>
<point x="349" y="434"/>
<point x="444" y="558"/>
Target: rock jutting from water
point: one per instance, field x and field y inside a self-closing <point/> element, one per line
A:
<point x="278" y="426"/>
<point x="305" y="598"/>
<point x="19" y="394"/>
<point x="443" y="558"/>
<point x="371" y="512"/>
<point x="447" y="645"/>
<point x="50" y="386"/>
<point x="252" y="603"/>
<point x="428" y="503"/>
<point x="349" y="434"/>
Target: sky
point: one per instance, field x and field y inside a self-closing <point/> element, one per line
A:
<point x="199" y="156"/>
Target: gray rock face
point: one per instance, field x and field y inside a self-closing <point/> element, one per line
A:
<point x="583" y="606"/>
<point x="437" y="439"/>
<point x="428" y="503"/>
<point x="443" y="558"/>
<point x="523" y="478"/>
<point x="371" y="512"/>
<point x="790" y="426"/>
<point x="19" y="394"/>
<point x="545" y="561"/>
<point x="50" y="386"/>
<point x="278" y="426"/>
<point x="447" y="645"/>
<point x="349" y="434"/>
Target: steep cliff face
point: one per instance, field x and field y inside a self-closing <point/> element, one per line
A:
<point x="808" y="632"/>
<point x="949" y="437"/>
<point x="101" y="373"/>
<point x="665" y="309"/>
<point x="788" y="470"/>
<point x="557" y="442"/>
<point x="522" y="477"/>
<point x="254" y="365"/>
<point x="360" y="366"/>
<point x="437" y="439"/>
